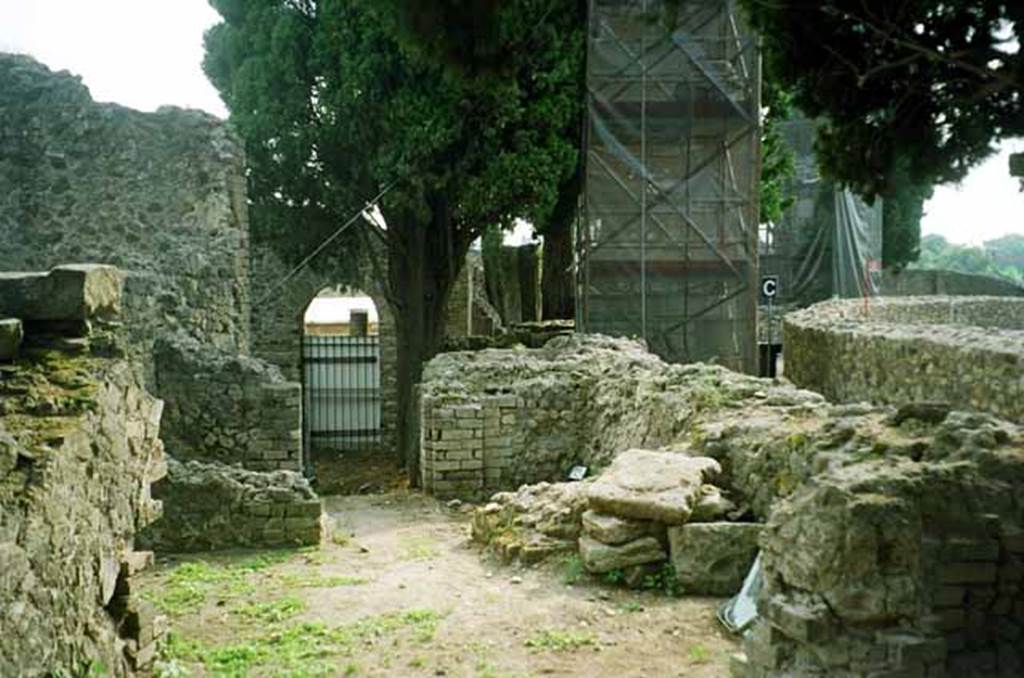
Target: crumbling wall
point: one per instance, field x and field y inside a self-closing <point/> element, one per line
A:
<point x="160" y="195"/>
<point x="895" y="565"/>
<point x="227" y="408"/>
<point x="211" y="506"/>
<point x="967" y="351"/>
<point x="494" y="419"/>
<point x="79" y="448"/>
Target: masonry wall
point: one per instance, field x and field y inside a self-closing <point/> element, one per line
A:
<point x="227" y="408"/>
<point x="495" y="419"/>
<point x="79" y="448"/>
<point x="209" y="506"/>
<point x="967" y="351"/>
<point x="277" y="323"/>
<point x="160" y="195"/>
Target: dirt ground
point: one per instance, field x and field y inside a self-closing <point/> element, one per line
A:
<point x="401" y="591"/>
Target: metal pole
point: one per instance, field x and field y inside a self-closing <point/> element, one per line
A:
<point x="643" y="173"/>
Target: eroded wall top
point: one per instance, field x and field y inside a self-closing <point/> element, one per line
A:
<point x="161" y="195"/>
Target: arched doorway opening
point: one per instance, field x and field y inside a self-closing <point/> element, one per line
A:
<point x="341" y="375"/>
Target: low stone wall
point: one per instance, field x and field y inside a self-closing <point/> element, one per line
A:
<point x="492" y="420"/>
<point x="967" y="351"/>
<point x="227" y="408"/>
<point x="210" y="506"/>
<point x="79" y="447"/>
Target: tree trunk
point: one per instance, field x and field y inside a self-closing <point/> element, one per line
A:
<point x="558" y="284"/>
<point x="424" y="261"/>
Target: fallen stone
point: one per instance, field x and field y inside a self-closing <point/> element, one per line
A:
<point x="11" y="334"/>
<point x="598" y="557"/>
<point x="649" y="485"/>
<point x="927" y="412"/>
<point x="712" y="505"/>
<point x="713" y="558"/>
<point x="71" y="293"/>
<point x="613" y="530"/>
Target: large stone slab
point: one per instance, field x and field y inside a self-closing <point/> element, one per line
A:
<point x="71" y="293"/>
<point x="649" y="485"/>
<point x="713" y="558"/>
<point x="613" y="530"/>
<point x="598" y="557"/>
<point x="11" y="334"/>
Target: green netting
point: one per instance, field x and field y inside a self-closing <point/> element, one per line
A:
<point x="829" y="242"/>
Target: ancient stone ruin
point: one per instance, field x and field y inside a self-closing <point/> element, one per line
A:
<point x="888" y="534"/>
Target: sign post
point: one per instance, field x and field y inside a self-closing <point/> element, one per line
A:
<point x="769" y="290"/>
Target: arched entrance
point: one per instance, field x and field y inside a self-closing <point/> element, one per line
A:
<point x="341" y="373"/>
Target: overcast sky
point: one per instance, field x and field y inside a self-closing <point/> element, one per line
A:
<point x="146" y="53"/>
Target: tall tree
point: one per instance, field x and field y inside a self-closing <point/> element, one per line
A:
<point x="914" y="93"/>
<point x="335" y="106"/>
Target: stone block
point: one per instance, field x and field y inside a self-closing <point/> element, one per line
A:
<point x="971" y="550"/>
<point x="1017" y="164"/>
<point x="802" y="621"/>
<point x="713" y="558"/>
<point x="11" y="335"/>
<point x="72" y="293"/>
<point x="649" y="485"/>
<point x="968" y="573"/>
<point x="598" y="557"/>
<point x="613" y="530"/>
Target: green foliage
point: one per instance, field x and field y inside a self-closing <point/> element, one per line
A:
<point x="572" y="569"/>
<point x="299" y="648"/>
<point x="556" y="640"/>
<point x="911" y="93"/>
<point x="928" y="83"/>
<point x="333" y="104"/>
<point x="1001" y="257"/>
<point x="777" y="162"/>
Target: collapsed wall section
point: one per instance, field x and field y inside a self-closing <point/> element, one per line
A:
<point x="967" y="351"/>
<point x="494" y="419"/>
<point x="227" y="408"/>
<point x="210" y="506"/>
<point x="160" y="195"/>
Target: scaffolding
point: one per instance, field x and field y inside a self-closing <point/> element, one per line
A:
<point x="666" y="248"/>
<point x="829" y="241"/>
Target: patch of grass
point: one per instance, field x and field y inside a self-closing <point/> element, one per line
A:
<point x="273" y="611"/>
<point x="663" y="580"/>
<point x="301" y="648"/>
<point x="340" y="537"/>
<point x="417" y="548"/>
<point x="700" y="654"/>
<point x="572" y="569"/>
<point x="632" y="606"/>
<point x="296" y="580"/>
<point x="560" y="641"/>
<point x="187" y="587"/>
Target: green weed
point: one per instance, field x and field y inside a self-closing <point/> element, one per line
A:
<point x="560" y="641"/>
<point x="572" y="570"/>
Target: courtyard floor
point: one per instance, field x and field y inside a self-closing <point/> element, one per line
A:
<point x="401" y="591"/>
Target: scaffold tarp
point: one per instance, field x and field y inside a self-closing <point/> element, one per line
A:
<point x="667" y="246"/>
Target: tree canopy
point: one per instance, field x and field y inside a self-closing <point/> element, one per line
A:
<point x="335" y="105"/>
<point x="1001" y="257"/>
<point x="913" y="93"/>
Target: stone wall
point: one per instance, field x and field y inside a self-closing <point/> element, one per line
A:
<point x="906" y="566"/>
<point x="495" y="419"/>
<point x="227" y="408"/>
<point x="79" y="448"/>
<point x="211" y="506"/>
<point x="277" y="321"/>
<point x="160" y="195"/>
<point x="917" y="282"/>
<point x="967" y="351"/>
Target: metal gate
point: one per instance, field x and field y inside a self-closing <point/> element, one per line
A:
<point x="341" y="391"/>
